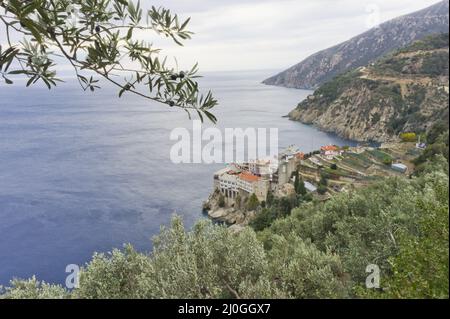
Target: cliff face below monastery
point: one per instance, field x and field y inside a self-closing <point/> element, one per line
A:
<point x="229" y="213"/>
<point x="405" y="91"/>
<point x="364" y="48"/>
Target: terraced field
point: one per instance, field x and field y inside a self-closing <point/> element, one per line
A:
<point x="358" y="168"/>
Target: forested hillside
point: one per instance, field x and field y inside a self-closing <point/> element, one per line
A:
<point x="367" y="47"/>
<point x="406" y="91"/>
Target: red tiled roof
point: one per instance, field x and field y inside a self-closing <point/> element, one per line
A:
<point x="300" y="155"/>
<point x="248" y="177"/>
<point x="329" y="148"/>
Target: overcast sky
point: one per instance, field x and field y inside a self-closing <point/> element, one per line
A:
<point x="274" y="34"/>
<point x="269" y="34"/>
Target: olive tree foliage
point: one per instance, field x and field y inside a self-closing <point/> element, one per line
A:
<point x="421" y="268"/>
<point x="399" y="224"/>
<point x="303" y="271"/>
<point x="100" y="39"/>
<point x="208" y="261"/>
<point x="33" y="289"/>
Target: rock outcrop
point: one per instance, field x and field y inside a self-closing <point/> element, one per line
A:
<point x="229" y="213"/>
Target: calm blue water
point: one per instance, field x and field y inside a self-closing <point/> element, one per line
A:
<point x="83" y="172"/>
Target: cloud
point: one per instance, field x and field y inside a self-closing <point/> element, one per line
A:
<point x="236" y="35"/>
<point x="269" y="34"/>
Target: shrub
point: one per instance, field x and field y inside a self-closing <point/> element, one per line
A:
<point x="221" y="201"/>
<point x="322" y="189"/>
<point x="387" y="161"/>
<point x="408" y="137"/>
<point x="252" y="203"/>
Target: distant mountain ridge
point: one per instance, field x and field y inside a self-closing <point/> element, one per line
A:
<point x="405" y="91"/>
<point x="364" y="48"/>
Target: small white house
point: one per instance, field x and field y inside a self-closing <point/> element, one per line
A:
<point x="310" y="187"/>
<point x="330" y="151"/>
<point x="421" y="146"/>
<point x="399" y="167"/>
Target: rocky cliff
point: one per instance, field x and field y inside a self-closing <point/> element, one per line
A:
<point x="365" y="48"/>
<point x="404" y="91"/>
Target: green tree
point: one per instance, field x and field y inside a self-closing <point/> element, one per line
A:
<point x="270" y="198"/>
<point x="304" y="271"/>
<point x="221" y="201"/>
<point x="98" y="39"/>
<point x="286" y="204"/>
<point x="324" y="176"/>
<point x="33" y="289"/>
<point x="322" y="189"/>
<point x="238" y="201"/>
<point x="252" y="202"/>
<point x="362" y="226"/>
<point x="207" y="262"/>
<point x="440" y="146"/>
<point x="308" y="197"/>
<point x="436" y="130"/>
<point x="296" y="179"/>
<point x="263" y="219"/>
<point x="421" y="269"/>
<point x="299" y="184"/>
<point x="387" y="160"/>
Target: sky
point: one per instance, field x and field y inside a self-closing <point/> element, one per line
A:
<point x="274" y="34"/>
<point x="269" y="34"/>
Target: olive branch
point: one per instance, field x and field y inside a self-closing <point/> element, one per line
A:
<point x="101" y="44"/>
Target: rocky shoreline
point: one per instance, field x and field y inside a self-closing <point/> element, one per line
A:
<point x="228" y="214"/>
<point x="328" y="124"/>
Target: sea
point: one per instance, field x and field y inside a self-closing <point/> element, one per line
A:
<point x="84" y="172"/>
